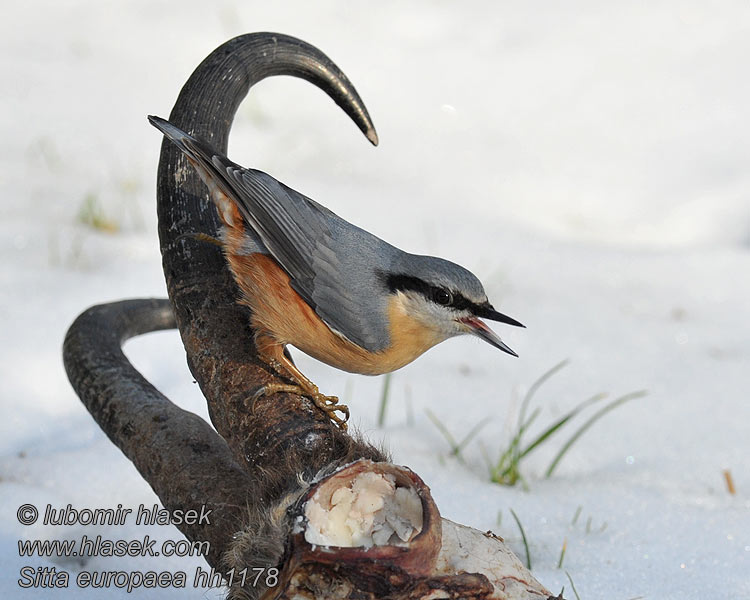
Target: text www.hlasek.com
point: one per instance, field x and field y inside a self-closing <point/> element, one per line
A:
<point x="97" y="546"/>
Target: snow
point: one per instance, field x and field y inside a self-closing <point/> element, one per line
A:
<point x="588" y="160"/>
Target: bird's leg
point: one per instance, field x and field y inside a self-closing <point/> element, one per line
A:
<point x="273" y="353"/>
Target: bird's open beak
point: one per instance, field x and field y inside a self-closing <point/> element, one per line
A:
<point x="478" y="328"/>
<point x="487" y="312"/>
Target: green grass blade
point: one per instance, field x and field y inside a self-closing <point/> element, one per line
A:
<point x="523" y="537"/>
<point x="562" y="553"/>
<point x="573" y="585"/>
<point x="469" y="436"/>
<point x="442" y="429"/>
<point x="525" y="426"/>
<point x="535" y="387"/>
<point x="456" y="447"/>
<point x="487" y="460"/>
<point x="384" y="398"/>
<point x="578" y="514"/>
<point x="515" y="443"/>
<point x="506" y="471"/>
<point x="583" y="428"/>
<point x="555" y="427"/>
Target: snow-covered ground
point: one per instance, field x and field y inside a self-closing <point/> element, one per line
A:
<point x="588" y="160"/>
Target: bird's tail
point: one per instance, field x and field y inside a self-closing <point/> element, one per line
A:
<point x="203" y="158"/>
<point x="197" y="151"/>
<point x="174" y="133"/>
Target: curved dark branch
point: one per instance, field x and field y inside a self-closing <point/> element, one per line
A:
<point x="160" y="438"/>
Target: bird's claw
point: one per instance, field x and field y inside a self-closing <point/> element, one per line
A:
<point x="328" y="404"/>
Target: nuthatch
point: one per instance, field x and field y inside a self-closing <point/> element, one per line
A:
<point x="329" y="288"/>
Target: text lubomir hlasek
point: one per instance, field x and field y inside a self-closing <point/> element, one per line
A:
<point x="119" y="516"/>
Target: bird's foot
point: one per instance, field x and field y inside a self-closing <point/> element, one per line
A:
<point x="328" y="404"/>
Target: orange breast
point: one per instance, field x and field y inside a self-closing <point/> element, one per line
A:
<point x="280" y="312"/>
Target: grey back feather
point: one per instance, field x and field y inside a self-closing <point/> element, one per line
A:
<point x="332" y="264"/>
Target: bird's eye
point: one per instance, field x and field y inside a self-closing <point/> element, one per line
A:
<point x="442" y="297"/>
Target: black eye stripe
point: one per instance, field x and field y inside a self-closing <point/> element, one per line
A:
<point x="461" y="303"/>
<point x="403" y="283"/>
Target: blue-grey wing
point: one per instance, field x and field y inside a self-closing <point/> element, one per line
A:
<point x="331" y="263"/>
